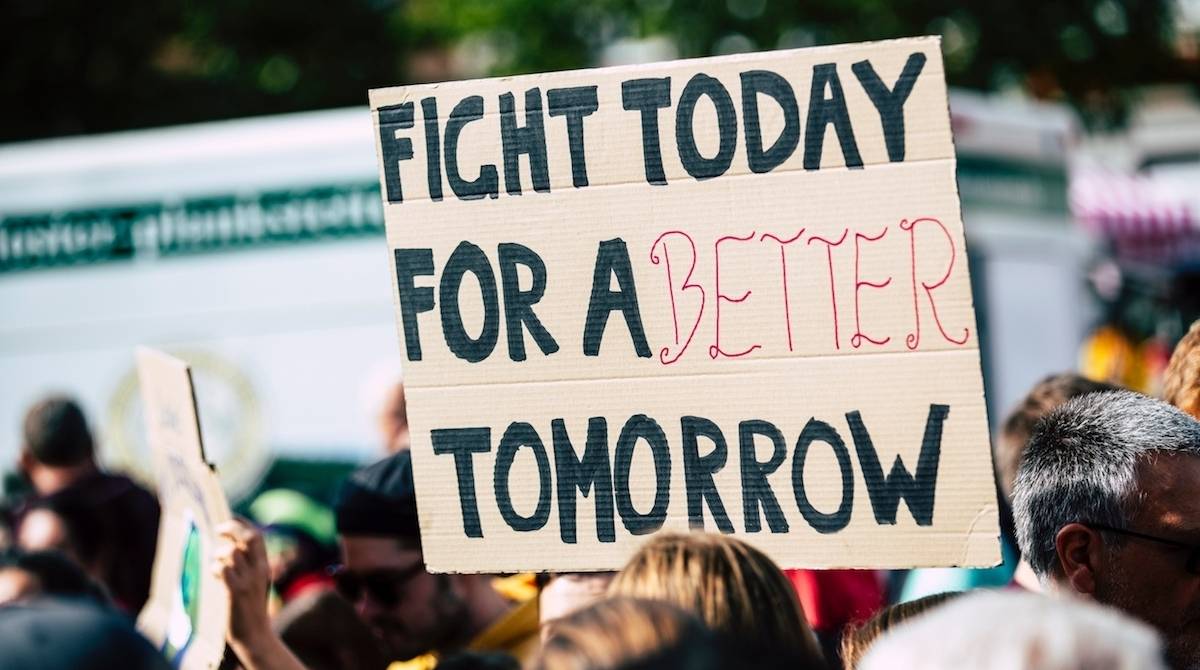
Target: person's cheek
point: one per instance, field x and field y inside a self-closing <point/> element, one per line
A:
<point x="369" y="610"/>
<point x="418" y="607"/>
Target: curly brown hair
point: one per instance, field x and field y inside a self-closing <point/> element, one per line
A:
<point x="1181" y="385"/>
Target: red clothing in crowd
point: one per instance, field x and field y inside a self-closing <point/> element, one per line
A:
<point x="833" y="598"/>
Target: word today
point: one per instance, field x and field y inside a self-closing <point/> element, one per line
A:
<point x="646" y="97"/>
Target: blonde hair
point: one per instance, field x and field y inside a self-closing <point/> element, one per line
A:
<point x="858" y="639"/>
<point x="1181" y="383"/>
<point x="732" y="587"/>
<point x="619" y="632"/>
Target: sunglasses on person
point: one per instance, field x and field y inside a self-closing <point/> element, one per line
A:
<point x="1193" y="559"/>
<point x="385" y="586"/>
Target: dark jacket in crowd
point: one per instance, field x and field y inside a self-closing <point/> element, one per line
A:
<point x="49" y="634"/>
<point x="120" y="521"/>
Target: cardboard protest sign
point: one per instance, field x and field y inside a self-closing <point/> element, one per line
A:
<point x="727" y="293"/>
<point x="188" y="610"/>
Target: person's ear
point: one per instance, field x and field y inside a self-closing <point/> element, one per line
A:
<point x="1080" y="551"/>
<point x="26" y="461"/>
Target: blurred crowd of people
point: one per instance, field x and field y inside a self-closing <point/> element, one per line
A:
<point x="1100" y="534"/>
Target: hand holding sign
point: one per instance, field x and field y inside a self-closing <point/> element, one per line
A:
<point x="240" y="562"/>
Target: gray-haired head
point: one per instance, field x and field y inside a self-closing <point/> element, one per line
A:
<point x="1081" y="465"/>
<point x="1038" y="633"/>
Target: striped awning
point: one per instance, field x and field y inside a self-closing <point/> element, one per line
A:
<point x="1145" y="219"/>
<point x="1131" y="207"/>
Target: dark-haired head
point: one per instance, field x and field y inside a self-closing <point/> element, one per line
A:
<point x="56" y="433"/>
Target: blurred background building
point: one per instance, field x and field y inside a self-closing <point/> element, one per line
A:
<point x="201" y="177"/>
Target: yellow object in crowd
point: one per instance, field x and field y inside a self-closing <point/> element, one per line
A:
<point x="515" y="634"/>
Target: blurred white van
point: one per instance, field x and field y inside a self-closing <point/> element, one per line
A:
<point x="253" y="248"/>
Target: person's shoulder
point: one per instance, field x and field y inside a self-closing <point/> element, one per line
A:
<point x="109" y="489"/>
<point x="124" y="486"/>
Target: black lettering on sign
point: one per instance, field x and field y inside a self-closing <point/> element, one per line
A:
<point x="413" y="300"/>
<point x="890" y="104"/>
<point x="612" y="259"/>
<point x="685" y="118"/>
<point x="488" y="182"/>
<point x="823" y="111"/>
<point x="591" y="472"/>
<point x="778" y="89"/>
<point x="648" y="96"/>
<point x="463" y="443"/>
<point x="529" y="140"/>
<point x="518" y="304"/>
<point x="819" y="431"/>
<point x="698" y="472"/>
<point x="641" y="427"/>
<point x="522" y="435"/>
<point x="433" y="148"/>
<point x="469" y="258"/>
<point x="756" y="490"/>
<point x="886" y="492"/>
<point x="393" y="118"/>
<point x="574" y="104"/>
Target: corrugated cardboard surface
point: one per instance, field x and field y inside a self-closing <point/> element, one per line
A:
<point x="902" y="288"/>
<point x="189" y="493"/>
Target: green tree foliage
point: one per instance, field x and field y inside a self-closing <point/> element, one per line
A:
<point x="74" y="66"/>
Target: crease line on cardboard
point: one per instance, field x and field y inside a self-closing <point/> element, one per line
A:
<point x="658" y="371"/>
<point x="566" y="187"/>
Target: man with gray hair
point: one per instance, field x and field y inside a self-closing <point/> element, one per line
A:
<point x="1106" y="507"/>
